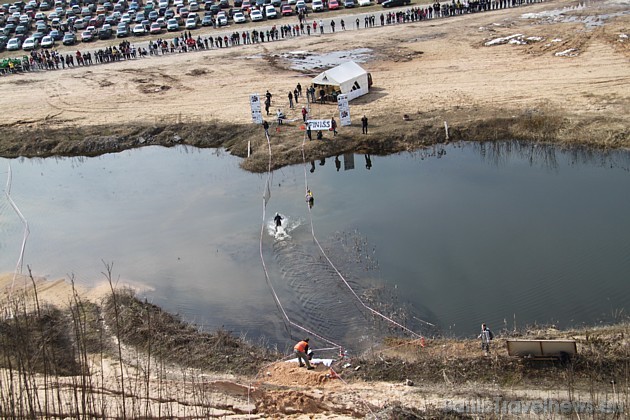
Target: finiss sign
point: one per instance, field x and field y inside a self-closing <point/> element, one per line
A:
<point x="319" y="125"/>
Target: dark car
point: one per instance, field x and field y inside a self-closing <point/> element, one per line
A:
<point x="104" y="33"/>
<point x="69" y="39"/>
<point x="395" y="3"/>
<point x="56" y="35"/>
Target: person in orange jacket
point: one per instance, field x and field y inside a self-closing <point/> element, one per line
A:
<point x="301" y="349"/>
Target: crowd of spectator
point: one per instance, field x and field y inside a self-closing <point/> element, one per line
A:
<point x="185" y="42"/>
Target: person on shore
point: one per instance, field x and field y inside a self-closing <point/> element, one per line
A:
<point x="301" y="348"/>
<point x="266" y="127"/>
<point x="364" y="124"/>
<point x="304" y="113"/>
<point x="333" y="126"/>
<point x="290" y="99"/>
<point x="308" y="132"/>
<point x="486" y="336"/>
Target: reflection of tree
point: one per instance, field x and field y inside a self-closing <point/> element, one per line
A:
<point x="548" y="155"/>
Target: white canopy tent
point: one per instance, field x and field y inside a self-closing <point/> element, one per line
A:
<point x="347" y="78"/>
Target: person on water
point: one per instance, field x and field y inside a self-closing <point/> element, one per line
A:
<point x="309" y="198"/>
<point x="278" y="220"/>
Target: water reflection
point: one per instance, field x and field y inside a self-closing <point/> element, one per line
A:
<point x="426" y="235"/>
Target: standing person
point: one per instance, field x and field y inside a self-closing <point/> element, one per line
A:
<point x="301" y="348"/>
<point x="364" y="124"/>
<point x="486" y="336"/>
<point x="267" y="105"/>
<point x="332" y="25"/>
<point x="343" y="25"/>
<point x="321" y="26"/>
<point x="308" y="132"/>
<point x="304" y="113"/>
<point x="357" y="22"/>
<point x="299" y="89"/>
<point x="266" y="127"/>
<point x="290" y="100"/>
<point x="278" y="222"/>
<point x="333" y="126"/>
<point x="296" y="95"/>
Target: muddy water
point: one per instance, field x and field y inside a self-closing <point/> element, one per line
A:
<point x="452" y="236"/>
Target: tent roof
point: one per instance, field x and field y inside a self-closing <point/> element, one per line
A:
<point x="342" y="73"/>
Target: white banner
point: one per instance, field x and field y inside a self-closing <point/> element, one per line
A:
<point x="319" y="125"/>
<point x="254" y="103"/>
<point x="344" y="109"/>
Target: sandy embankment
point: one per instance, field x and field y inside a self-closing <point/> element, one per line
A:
<point x="565" y="80"/>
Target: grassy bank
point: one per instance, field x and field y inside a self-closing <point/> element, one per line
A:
<point x="387" y="135"/>
<point x="121" y="357"/>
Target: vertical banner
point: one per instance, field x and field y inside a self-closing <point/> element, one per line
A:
<point x="344" y="109"/>
<point x="254" y="103"/>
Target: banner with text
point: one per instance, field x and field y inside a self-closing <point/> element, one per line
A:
<point x="254" y="103"/>
<point x="344" y="109"/>
<point x="319" y="125"/>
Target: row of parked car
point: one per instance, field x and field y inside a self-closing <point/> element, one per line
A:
<point x="48" y="22"/>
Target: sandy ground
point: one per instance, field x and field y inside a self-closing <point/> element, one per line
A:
<point x="566" y="78"/>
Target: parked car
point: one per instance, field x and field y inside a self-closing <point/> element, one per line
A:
<point x="395" y="3"/>
<point x="333" y="5"/>
<point x="286" y="10"/>
<point x="48" y="42"/>
<point x="122" y="31"/>
<point x="270" y="11"/>
<point x="365" y="3"/>
<point x="300" y="6"/>
<point x="155" y="28"/>
<point x="87" y="36"/>
<point x="69" y="39"/>
<point x="172" y="25"/>
<point x="256" y="15"/>
<point x="207" y="20"/>
<point x="193" y="6"/>
<point x="105" y="32"/>
<point x="30" y="44"/>
<point x="222" y="19"/>
<point x="14" y="44"/>
<point x="317" y="6"/>
<point x="139" y="30"/>
<point x="191" y="23"/>
<point x="239" y="17"/>
<point x="56" y="35"/>
<point x="349" y="4"/>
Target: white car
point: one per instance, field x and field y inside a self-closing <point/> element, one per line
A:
<point x="139" y="30"/>
<point x="270" y="11"/>
<point x="239" y="17"/>
<point x="30" y="44"/>
<point x="317" y="6"/>
<point x="256" y="15"/>
<point x="365" y="3"/>
<point x="48" y="42"/>
<point x="222" y="19"/>
<point x="14" y="44"/>
<point x="172" y="25"/>
<point x="191" y="23"/>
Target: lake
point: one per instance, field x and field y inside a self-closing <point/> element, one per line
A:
<point x="456" y="235"/>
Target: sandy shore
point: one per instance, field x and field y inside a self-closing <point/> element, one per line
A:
<point x="564" y="79"/>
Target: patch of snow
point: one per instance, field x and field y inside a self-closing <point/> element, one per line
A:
<point x="556" y="40"/>
<point x="571" y="52"/>
<point x="504" y="40"/>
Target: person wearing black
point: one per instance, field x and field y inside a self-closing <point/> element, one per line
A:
<point x="364" y="124"/>
<point x="278" y="220"/>
<point x="266" y="127"/>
